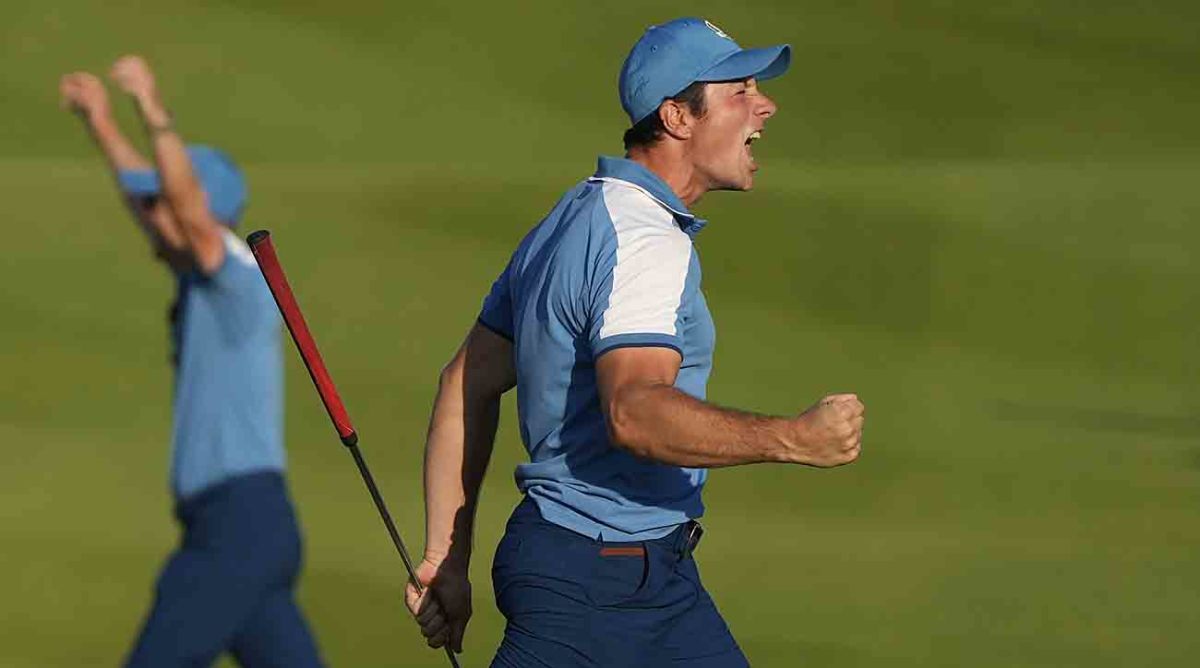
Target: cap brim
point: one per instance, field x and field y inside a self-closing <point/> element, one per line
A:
<point x="765" y="63"/>
<point x="140" y="182"/>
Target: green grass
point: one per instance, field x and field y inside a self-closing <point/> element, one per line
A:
<point x="978" y="216"/>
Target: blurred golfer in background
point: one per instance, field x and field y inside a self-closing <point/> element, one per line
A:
<point x="228" y="586"/>
<point x="600" y="321"/>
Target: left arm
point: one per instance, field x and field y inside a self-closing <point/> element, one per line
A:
<point x="181" y="189"/>
<point x="84" y="94"/>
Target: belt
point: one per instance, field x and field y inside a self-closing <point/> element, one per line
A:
<point x="682" y="543"/>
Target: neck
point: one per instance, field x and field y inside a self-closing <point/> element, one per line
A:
<point x="669" y="161"/>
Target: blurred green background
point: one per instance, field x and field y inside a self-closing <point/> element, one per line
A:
<point x="980" y="216"/>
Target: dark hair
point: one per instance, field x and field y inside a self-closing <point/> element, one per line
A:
<point x="649" y="130"/>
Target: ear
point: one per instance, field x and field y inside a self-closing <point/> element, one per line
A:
<point x="676" y="118"/>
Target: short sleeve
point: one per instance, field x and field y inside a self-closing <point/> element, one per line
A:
<point x="639" y="297"/>
<point x="496" y="313"/>
<point x="238" y="289"/>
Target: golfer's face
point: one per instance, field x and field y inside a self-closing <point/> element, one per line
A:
<point x="736" y="113"/>
<point x="155" y="214"/>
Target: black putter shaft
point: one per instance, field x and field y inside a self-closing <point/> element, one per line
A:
<point x="351" y="442"/>
<point x="268" y="262"/>
<point x="383" y="512"/>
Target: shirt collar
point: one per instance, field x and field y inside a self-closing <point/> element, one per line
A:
<point x="630" y="173"/>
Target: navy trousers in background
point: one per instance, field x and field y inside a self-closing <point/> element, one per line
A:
<point x="575" y="602"/>
<point x="228" y="586"/>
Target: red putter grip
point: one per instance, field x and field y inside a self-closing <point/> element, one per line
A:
<point x="268" y="263"/>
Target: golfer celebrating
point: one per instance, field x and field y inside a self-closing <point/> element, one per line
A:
<point x="228" y="586"/>
<point x="600" y="321"/>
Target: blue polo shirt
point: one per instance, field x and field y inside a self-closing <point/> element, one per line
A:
<point x="228" y="407"/>
<point x="611" y="266"/>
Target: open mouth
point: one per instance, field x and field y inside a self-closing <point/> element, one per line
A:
<point x="754" y="136"/>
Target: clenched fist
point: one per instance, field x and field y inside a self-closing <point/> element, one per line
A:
<point x="84" y="94"/>
<point x="829" y="433"/>
<point x="132" y="75"/>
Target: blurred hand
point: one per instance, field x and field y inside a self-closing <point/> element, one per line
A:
<point x="84" y="94"/>
<point x="829" y="433"/>
<point x="445" y="608"/>
<point x="132" y="75"/>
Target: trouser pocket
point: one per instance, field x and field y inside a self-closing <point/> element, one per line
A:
<point x="621" y="574"/>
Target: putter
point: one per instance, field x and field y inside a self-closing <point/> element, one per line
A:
<point x="268" y="263"/>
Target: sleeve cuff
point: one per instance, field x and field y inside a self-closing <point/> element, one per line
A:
<point x="494" y="329"/>
<point x="637" y="341"/>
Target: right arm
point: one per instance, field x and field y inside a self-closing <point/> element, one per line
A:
<point x="203" y="235"/>
<point x="462" y="431"/>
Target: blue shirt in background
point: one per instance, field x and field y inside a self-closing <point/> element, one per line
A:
<point x="228" y="408"/>
<point x="612" y="265"/>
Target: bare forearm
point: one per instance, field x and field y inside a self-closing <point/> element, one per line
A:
<point x="661" y="423"/>
<point x="117" y="149"/>
<point x="462" y="432"/>
<point x="121" y="155"/>
<point x="179" y="183"/>
<point x="180" y="188"/>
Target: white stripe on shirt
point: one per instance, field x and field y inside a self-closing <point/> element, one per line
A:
<point x="652" y="264"/>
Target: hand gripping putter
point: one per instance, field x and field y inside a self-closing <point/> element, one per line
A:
<point x="268" y="262"/>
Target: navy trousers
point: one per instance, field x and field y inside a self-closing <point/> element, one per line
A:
<point x="228" y="586"/>
<point x="572" y="601"/>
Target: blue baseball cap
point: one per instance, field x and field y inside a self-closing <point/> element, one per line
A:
<point x="221" y="179"/>
<point x="676" y="54"/>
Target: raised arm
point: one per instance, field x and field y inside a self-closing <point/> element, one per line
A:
<point x="462" y="431"/>
<point x="182" y="191"/>
<point x="84" y="94"/>
<point x="648" y="416"/>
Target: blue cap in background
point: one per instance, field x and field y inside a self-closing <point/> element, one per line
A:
<point x="221" y="180"/>
<point x="672" y="56"/>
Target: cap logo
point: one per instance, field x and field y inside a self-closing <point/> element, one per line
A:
<point x="718" y="31"/>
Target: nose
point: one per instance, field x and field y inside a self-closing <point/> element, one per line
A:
<point x="767" y="106"/>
